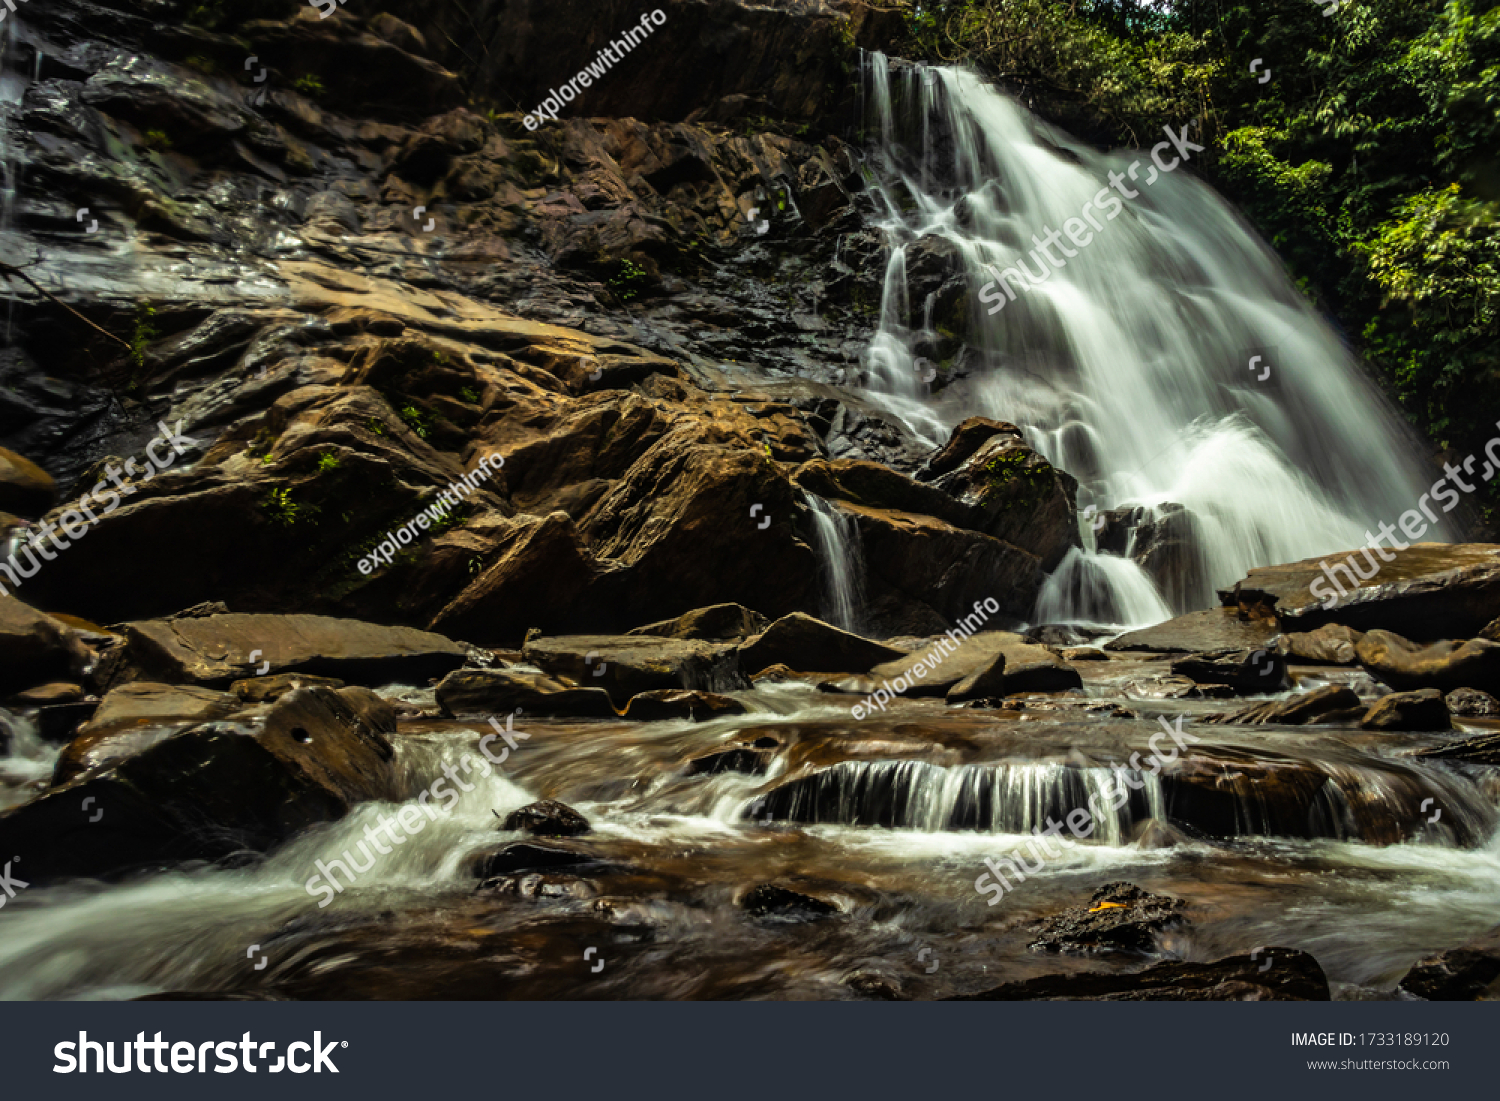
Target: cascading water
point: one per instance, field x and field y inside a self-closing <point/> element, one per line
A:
<point x="1129" y="365"/>
<point x="842" y="562"/>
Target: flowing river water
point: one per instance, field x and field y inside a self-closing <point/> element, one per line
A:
<point x="1129" y="369"/>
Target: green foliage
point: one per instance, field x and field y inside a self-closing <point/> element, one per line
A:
<point x="309" y="86"/>
<point x="157" y="139"/>
<point x="142" y="333"/>
<point x="283" y="510"/>
<point x="1009" y="473"/>
<point x="376" y="425"/>
<point x="327" y="460"/>
<point x="627" y="278"/>
<point x="469" y="395"/>
<point x="416" y="419"/>
<point x="204" y="65"/>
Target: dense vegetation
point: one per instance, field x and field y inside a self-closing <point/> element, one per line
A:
<point x="1370" y="158"/>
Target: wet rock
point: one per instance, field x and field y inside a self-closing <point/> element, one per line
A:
<point x="943" y="662"/>
<point x="1084" y="653"/>
<point x="983" y="683"/>
<point x="547" y="818"/>
<point x="1163" y="686"/>
<point x="532" y="856"/>
<point x="25" y="488"/>
<point x="1428" y="591"/>
<point x="627" y="665"/>
<point x="1422" y="710"/>
<point x="810" y="645"/>
<point x="1198" y="632"/>
<point x="778" y="903"/>
<point x="1471" y="703"/>
<point x="274" y="686"/>
<point x="1293" y="976"/>
<point x="35" y="648"/>
<point x="1331" y="703"/>
<point x="719" y="623"/>
<point x="1465" y="974"/>
<point x="1243" y="670"/>
<point x="1120" y="917"/>
<point x="218" y="650"/>
<point x="1482" y="750"/>
<point x="132" y="718"/>
<point x="680" y="703"/>
<point x="44" y="694"/>
<point x="210" y="791"/>
<point x="483" y="692"/>
<point x="1331" y="644"/>
<point x="1404" y="665"/>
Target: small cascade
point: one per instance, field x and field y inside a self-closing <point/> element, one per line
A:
<point x="1100" y="590"/>
<point x="842" y="564"/>
<point x="24" y="758"/>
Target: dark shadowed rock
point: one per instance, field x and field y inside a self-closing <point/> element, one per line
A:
<point x="134" y="717"/>
<point x="547" y="818"/>
<point x="1243" y="670"/>
<point x="25" y="488"/>
<point x="1120" y="917"/>
<point x="218" y="650"/>
<point x="1422" y="710"/>
<point x="681" y="703"/>
<point x="1197" y="632"/>
<point x="810" y="645"/>
<point x="532" y="856"/>
<point x="1331" y="703"/>
<point x="35" y="647"/>
<point x="1404" y="665"/>
<point x="719" y="623"/>
<point x="1428" y="591"/>
<point x="750" y="761"/>
<point x="275" y="685"/>
<point x="212" y="790"/>
<point x="1482" y="750"/>
<point x="1293" y="976"/>
<point x="482" y="692"/>
<point x="1471" y="703"/>
<point x="770" y="900"/>
<point x="1468" y="973"/>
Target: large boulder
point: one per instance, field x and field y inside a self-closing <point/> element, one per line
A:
<point x="1243" y="670"/>
<point x="1120" y="917"/>
<point x="1428" y="591"/>
<point x="717" y="623"/>
<point x="218" y="650"/>
<point x="1331" y="644"/>
<point x="1422" y="710"/>
<point x="1469" y="973"/>
<point x="213" y="790"/>
<point x="805" y="644"/>
<point x="1404" y="665"/>
<point x="134" y="717"/>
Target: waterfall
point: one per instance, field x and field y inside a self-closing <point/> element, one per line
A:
<point x="842" y="564"/>
<point x="1129" y="366"/>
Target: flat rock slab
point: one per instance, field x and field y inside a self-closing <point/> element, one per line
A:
<point x="209" y="791"/>
<point x="716" y="623"/>
<point x="218" y="650"/>
<point x="485" y="692"/>
<point x="35" y="648"/>
<point x="1428" y="591"/>
<point x="135" y="717"/>
<point x="626" y="665"/>
<point x="1214" y="629"/>
<point x="1293" y="976"/>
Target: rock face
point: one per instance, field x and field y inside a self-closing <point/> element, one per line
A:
<point x="220" y="649"/>
<point x="1429" y="591"/>
<point x="1444" y="665"/>
<point x="1196" y="632"/>
<point x="210" y="791"/>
